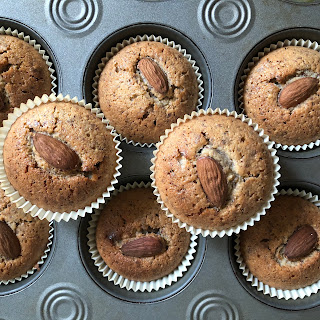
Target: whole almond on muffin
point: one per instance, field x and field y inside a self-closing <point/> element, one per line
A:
<point x="282" y="249"/>
<point x="60" y="156"/>
<point x="282" y="95"/>
<point x="136" y="239"/>
<point x="144" y="88"/>
<point x="213" y="172"/>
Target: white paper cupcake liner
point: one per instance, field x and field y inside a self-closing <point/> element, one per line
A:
<point x="249" y="222"/>
<point x="38" y="264"/>
<point x="26" y="205"/>
<point x="124" y="43"/>
<point x="21" y="35"/>
<point x="123" y="282"/>
<point x="260" y="286"/>
<point x="294" y="42"/>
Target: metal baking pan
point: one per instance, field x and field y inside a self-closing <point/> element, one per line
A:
<point x="222" y="36"/>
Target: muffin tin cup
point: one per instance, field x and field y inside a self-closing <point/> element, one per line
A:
<point x="22" y="36"/>
<point x="26" y="205"/>
<point x="250" y="222"/>
<point x="267" y="290"/>
<point x="294" y="42"/>
<point x="37" y="265"/>
<point x="123" y="282"/>
<point x="124" y="43"/>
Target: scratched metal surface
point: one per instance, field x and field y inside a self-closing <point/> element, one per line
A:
<point x="222" y="36"/>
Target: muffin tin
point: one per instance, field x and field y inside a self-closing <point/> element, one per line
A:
<point x="222" y="36"/>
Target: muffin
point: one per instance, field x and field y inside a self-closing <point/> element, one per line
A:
<point x="282" y="250"/>
<point x="23" y="240"/>
<point x="144" y="88"/>
<point x="24" y="74"/>
<point x="136" y="239"/>
<point x="214" y="172"/>
<point x="60" y="156"/>
<point x="282" y="95"/>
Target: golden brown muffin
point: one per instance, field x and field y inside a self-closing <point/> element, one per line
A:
<point x="135" y="214"/>
<point x="49" y="186"/>
<point x="263" y="245"/>
<point x="131" y="103"/>
<point x="23" y="74"/>
<point x="32" y="233"/>
<point x="284" y="121"/>
<point x="246" y="173"/>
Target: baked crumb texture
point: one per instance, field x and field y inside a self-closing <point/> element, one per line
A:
<point x="46" y="186"/>
<point x="293" y="126"/>
<point x="132" y="214"/>
<point x="133" y="107"/>
<point x="33" y="235"/>
<point x="245" y="159"/>
<point x="24" y="74"/>
<point x="263" y="244"/>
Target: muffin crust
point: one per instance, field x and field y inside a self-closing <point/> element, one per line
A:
<point x="262" y="246"/>
<point x="245" y="159"/>
<point x="291" y="126"/>
<point x="23" y="74"/>
<point x="46" y="186"/>
<point x="32" y="233"/>
<point x="133" y="106"/>
<point x="133" y="214"/>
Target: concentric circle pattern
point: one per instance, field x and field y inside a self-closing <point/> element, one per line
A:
<point x="74" y="15"/>
<point x="61" y="302"/>
<point x="212" y="305"/>
<point x="303" y="2"/>
<point x="225" y="18"/>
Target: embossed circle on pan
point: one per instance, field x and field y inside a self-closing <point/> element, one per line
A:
<point x="292" y="305"/>
<point x="62" y="301"/>
<point x="75" y="15"/>
<point x="303" y="2"/>
<point x="129" y="295"/>
<point x="154" y="0"/>
<point x="225" y="18"/>
<point x="212" y="305"/>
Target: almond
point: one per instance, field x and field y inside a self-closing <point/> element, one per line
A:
<point x="154" y="74"/>
<point x="55" y="152"/>
<point x="213" y="180"/>
<point x="147" y="246"/>
<point x="301" y="243"/>
<point x="297" y="92"/>
<point x="9" y="243"/>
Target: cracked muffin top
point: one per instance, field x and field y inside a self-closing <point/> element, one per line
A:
<point x="136" y="239"/>
<point x="24" y="74"/>
<point x="282" y="95"/>
<point x="32" y="234"/>
<point x="144" y="88"/>
<point x="265" y="246"/>
<point x="214" y="172"/>
<point x="60" y="156"/>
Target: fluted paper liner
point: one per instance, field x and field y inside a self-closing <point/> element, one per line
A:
<point x="256" y="217"/>
<point x="38" y="264"/>
<point x="294" y="42"/>
<point x="22" y="36"/>
<point x="260" y="286"/>
<point x="26" y="205"/>
<point x="123" y="282"/>
<point x="124" y="43"/>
